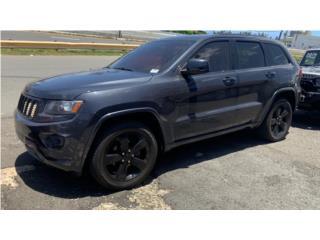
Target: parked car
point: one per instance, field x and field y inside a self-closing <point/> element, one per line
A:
<point x="310" y="81"/>
<point x="169" y="92"/>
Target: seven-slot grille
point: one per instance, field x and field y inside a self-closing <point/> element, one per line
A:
<point x="309" y="76"/>
<point x="310" y="82"/>
<point x="29" y="107"/>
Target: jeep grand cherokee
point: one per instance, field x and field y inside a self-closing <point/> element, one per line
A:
<point x="164" y="94"/>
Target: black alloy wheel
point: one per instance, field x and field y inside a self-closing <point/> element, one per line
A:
<point x="125" y="156"/>
<point x="280" y="121"/>
<point x="276" y="125"/>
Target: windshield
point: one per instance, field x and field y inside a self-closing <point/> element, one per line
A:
<point x="153" y="57"/>
<point x="311" y="58"/>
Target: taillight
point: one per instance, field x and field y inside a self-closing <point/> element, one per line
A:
<point x="300" y="73"/>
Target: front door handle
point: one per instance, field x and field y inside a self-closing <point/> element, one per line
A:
<point x="270" y="75"/>
<point x="229" y="81"/>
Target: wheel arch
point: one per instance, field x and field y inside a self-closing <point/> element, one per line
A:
<point x="147" y="116"/>
<point x="288" y="93"/>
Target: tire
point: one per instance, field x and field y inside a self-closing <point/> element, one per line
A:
<point x="275" y="126"/>
<point x="124" y="156"/>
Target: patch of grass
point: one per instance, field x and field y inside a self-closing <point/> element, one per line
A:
<point x="60" y="52"/>
<point x="297" y="56"/>
<point x="189" y="32"/>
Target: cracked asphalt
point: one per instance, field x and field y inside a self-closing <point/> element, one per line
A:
<point x="235" y="171"/>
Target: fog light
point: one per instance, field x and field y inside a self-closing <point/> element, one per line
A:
<point x="54" y="141"/>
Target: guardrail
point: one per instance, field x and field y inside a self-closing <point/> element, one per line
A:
<point x="65" y="45"/>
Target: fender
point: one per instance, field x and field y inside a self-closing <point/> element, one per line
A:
<point x="269" y="103"/>
<point x="167" y="134"/>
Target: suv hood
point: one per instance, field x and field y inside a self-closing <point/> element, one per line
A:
<point x="69" y="86"/>
<point x="315" y="70"/>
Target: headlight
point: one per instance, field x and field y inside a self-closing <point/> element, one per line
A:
<point x="62" y="107"/>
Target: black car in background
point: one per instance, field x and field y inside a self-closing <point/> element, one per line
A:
<point x="169" y="92"/>
<point x="310" y="81"/>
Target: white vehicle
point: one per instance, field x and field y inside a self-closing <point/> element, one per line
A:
<point x="310" y="81"/>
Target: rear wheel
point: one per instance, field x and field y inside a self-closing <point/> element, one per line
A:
<point x="124" y="156"/>
<point x="278" y="121"/>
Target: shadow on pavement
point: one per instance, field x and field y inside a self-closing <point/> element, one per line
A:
<point x="309" y="120"/>
<point x="57" y="183"/>
<point x="61" y="184"/>
<point x="208" y="150"/>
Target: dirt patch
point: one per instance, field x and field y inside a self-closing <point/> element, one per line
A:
<point x="144" y="198"/>
<point x="8" y="175"/>
<point x="109" y="206"/>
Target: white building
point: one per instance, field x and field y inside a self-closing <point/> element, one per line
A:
<point x="301" y="41"/>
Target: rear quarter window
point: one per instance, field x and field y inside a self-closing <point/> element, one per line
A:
<point x="250" y="55"/>
<point x="275" y="55"/>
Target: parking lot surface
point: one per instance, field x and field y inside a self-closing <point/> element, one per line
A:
<point x="235" y="171"/>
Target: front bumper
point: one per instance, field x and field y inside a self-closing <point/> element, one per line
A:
<point x="59" y="144"/>
<point x="309" y="100"/>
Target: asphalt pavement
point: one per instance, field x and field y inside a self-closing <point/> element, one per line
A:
<point x="235" y="171"/>
<point x="17" y="71"/>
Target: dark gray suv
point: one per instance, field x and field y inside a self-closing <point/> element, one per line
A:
<point x="115" y="121"/>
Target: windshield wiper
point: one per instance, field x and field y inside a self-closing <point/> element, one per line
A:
<point x="123" y="68"/>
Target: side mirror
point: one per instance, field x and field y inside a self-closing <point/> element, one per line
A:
<point x="196" y="66"/>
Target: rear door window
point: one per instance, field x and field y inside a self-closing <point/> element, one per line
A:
<point x="275" y="55"/>
<point x="250" y="55"/>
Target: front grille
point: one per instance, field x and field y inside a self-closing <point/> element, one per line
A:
<point x="308" y="76"/>
<point x="309" y="82"/>
<point x="29" y="107"/>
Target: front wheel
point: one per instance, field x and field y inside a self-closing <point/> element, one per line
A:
<point x="278" y="121"/>
<point x="124" y="156"/>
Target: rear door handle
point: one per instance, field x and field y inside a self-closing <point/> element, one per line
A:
<point x="270" y="75"/>
<point x="229" y="81"/>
